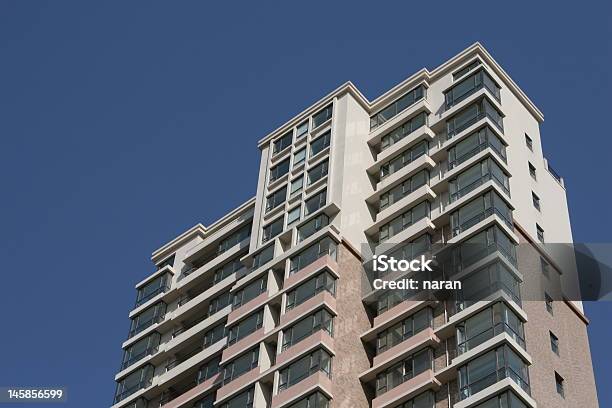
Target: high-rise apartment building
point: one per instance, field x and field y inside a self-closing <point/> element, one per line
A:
<point x="267" y="307"/>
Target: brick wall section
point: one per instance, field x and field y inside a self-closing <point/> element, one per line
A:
<point x="352" y="321"/>
<point x="574" y="361"/>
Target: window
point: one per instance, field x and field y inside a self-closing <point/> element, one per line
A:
<point x="321" y="320"/>
<point x="244" y="400"/>
<point x="282" y="143"/>
<point x="472" y="114"/>
<point x="403" y="330"/>
<point x="273" y="229"/>
<point x="398" y="106"/>
<point x="540" y="232"/>
<point x="320" y="143"/>
<point x="150" y="316"/>
<point x="554" y="343"/>
<point x="318" y="172"/>
<point x="137" y="380"/>
<point x="315" y="202"/>
<point x="403" y="159"/>
<point x="263" y="257"/>
<point x="293" y="216"/>
<point x="477" y="247"/>
<point x="301" y="130"/>
<point x="532" y="171"/>
<point x="245" y="327"/>
<point x="475" y="176"/>
<point x="227" y="269"/>
<point x="404" y="371"/>
<point x="402" y="131"/>
<point x="234" y="239"/>
<point x="528" y="142"/>
<point x="319" y="360"/>
<point x="299" y="157"/>
<point x="208" y="370"/>
<point x="549" y="303"/>
<point x="326" y="246"/>
<point x="536" y="201"/>
<point x="486" y="281"/>
<point x="545" y="266"/>
<point x="315" y="400"/>
<point x="249" y="292"/>
<point x="473" y="144"/>
<point x="214" y="335"/>
<point x="490" y="368"/>
<point x="469" y="86"/>
<point x="206" y="402"/>
<point x="296" y="186"/>
<point x="241" y="365"/>
<point x="139" y="350"/>
<point x="219" y="302"/>
<point x="559" y="384"/>
<point x="158" y="285"/>
<point x="322" y="116"/>
<point x="312" y="226"/>
<point x="166" y="262"/>
<point x="313" y="286"/>
<point x="279" y="170"/>
<point x="403" y="221"/>
<point x="487" y="324"/>
<point x="276" y="198"/>
<point x="466" y="69"/>
<point x="479" y="209"/>
<point x="402" y="190"/>
<point x="506" y="400"/>
<point x="424" y="400"/>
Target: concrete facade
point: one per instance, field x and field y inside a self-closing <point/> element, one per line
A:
<point x="267" y="308"/>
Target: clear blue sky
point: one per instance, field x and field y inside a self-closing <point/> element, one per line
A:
<point x="109" y="112"/>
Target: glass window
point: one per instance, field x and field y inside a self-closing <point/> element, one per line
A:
<point x="549" y="303"/>
<point x="293" y="216"/>
<point x="532" y="171"/>
<point x="166" y="262"/>
<point x="302" y="130"/>
<point x="243" y="400"/>
<point x="219" y="302"/>
<point x="479" y="209"/>
<point x="404" y="371"/>
<point x="320" y="143"/>
<point x="323" y="281"/>
<point x="528" y="142"/>
<point x="319" y="360"/>
<point x="263" y="257"/>
<point x="299" y="157"/>
<point x="317" y="172"/>
<point x="315" y="400"/>
<point x="398" y="106"/>
<point x="326" y="246"/>
<point x="322" y="116"/>
<point x="297" y="185"/>
<point x="403" y="221"/>
<point x="559" y="383"/>
<point x="466" y="69"/>
<point x="536" y="201"/>
<point x="230" y="267"/>
<point x="245" y="327"/>
<point x="234" y="239"/>
<point x="208" y="370"/>
<point x="404" y="330"/>
<point x="315" y="202"/>
<point x="402" y="160"/>
<point x="554" y="343"/>
<point x="137" y="380"/>
<point x="279" y="170"/>
<point x="402" y="131"/>
<point x="472" y="114"/>
<point x="486" y="281"/>
<point x="158" y="285"/>
<point x="402" y="190"/>
<point x="540" y="233"/>
<point x="147" y="318"/>
<point x="241" y="365"/>
<point x="321" y="320"/>
<point x="469" y="86"/>
<point x="273" y="229"/>
<point x="282" y="143"/>
<point x="312" y="226"/>
<point x="250" y="292"/>
<point x="139" y="350"/>
<point x="214" y="335"/>
<point x="276" y="198"/>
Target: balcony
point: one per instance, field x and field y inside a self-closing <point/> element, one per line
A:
<point x="487" y="334"/>
<point x="306" y="343"/>
<point x="470" y="148"/>
<point x="318" y="380"/>
<point x="425" y="337"/>
<point x="471" y="85"/>
<point x="472" y="114"/>
<point x="406" y="390"/>
<point x="467" y="224"/>
<point x="491" y="379"/>
<point x="462" y="192"/>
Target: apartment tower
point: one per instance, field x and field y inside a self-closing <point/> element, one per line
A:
<point x="267" y="306"/>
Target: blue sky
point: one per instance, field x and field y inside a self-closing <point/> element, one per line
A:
<point x="109" y="113"/>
